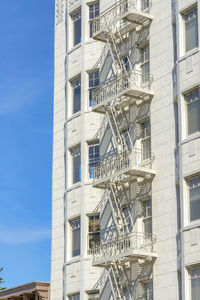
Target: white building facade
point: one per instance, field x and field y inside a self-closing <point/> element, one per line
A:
<point x="126" y="150"/>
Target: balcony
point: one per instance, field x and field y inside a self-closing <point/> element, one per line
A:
<point x="134" y="87"/>
<point x="131" y="246"/>
<point x="124" y="167"/>
<point x="123" y="16"/>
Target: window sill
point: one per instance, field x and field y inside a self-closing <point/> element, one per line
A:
<point x="191" y="137"/>
<point x="74" y="48"/>
<point x="74" y="186"/>
<point x="189" y="53"/>
<point x="73" y="260"/>
<point x="76" y="115"/>
<point x="192" y="226"/>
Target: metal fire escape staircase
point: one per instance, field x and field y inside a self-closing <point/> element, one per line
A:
<point x="115" y="271"/>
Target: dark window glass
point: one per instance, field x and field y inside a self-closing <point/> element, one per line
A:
<point x="93" y="83"/>
<point x="93" y="157"/>
<point x="94" y="231"/>
<point x="191" y="29"/>
<point x="76" y="157"/>
<point x="75" y="226"/>
<point x="76" y="85"/>
<point x="93" y="13"/>
<point x="195" y="283"/>
<point x="193" y="111"/>
<point x="194" y="195"/>
<point x="77" y="27"/>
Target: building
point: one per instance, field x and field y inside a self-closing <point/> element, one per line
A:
<point x="126" y="150"/>
<point x="30" y="291"/>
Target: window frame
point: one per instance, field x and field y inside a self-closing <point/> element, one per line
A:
<point x="183" y="15"/>
<point x="147" y="217"/>
<point x="190" y="269"/>
<point x="74" y="19"/>
<point x="92" y="232"/>
<point x="72" y="241"/>
<point x="185" y="95"/>
<point x="90" y="163"/>
<point x="144" y="62"/>
<point x="72" y="150"/>
<point x="71" y="297"/>
<point x="146" y="138"/>
<point x="94" y="86"/>
<point x="193" y="177"/>
<point x="94" y="16"/>
<point x="75" y="85"/>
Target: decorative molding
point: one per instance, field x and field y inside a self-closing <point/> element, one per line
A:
<point x="59" y="11"/>
<point x="72" y="3"/>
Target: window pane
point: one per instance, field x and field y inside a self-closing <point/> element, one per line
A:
<point x="191" y="30"/>
<point x="76" y="156"/>
<point x="93" y="158"/>
<point x="94" y="230"/>
<point x="195" y="203"/>
<point x="77" y="28"/>
<point x="76" y="85"/>
<point x="194" y="117"/>
<point x="75" y="237"/>
<point x="93" y="83"/>
<point x="195" y="288"/>
<point x="93" y="12"/>
<point x="77" y="100"/>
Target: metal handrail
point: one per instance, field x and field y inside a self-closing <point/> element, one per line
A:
<point x="119" y="162"/>
<point x="123" y="244"/>
<point x="119" y="84"/>
<point x="116" y="11"/>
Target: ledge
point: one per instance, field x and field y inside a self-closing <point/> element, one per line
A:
<point x="188" y="54"/>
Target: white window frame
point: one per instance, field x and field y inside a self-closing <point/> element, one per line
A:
<point x="74" y="83"/>
<point x="90" y="88"/>
<point x="148" y="217"/>
<point x="75" y="16"/>
<point x="92" y="232"/>
<point x="71" y="175"/>
<point x="71" y="230"/>
<point x="183" y="15"/>
<point x="95" y="15"/>
<point x="146" y="137"/>
<point x="145" y="60"/>
<point x="185" y="95"/>
<point x="188" y="197"/>
<point x="71" y="297"/>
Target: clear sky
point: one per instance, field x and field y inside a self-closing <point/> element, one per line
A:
<point x="26" y="108"/>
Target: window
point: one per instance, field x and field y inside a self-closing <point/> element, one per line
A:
<point x="146" y="139"/>
<point x="75" y="227"/>
<point x="193" y="111"/>
<point x="74" y="297"/>
<point x="76" y="18"/>
<point x="93" y="12"/>
<point x="191" y="29"/>
<point x="194" y="198"/>
<point x="147" y="215"/>
<point x="93" y="157"/>
<point x="127" y="219"/>
<point x="93" y="295"/>
<point x="76" y="164"/>
<point x="93" y="83"/>
<point x="76" y="86"/>
<point x="145" y="63"/>
<point x="148" y="290"/>
<point x="94" y="231"/>
<point x="195" y="283"/>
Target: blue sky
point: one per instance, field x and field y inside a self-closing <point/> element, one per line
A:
<point x="26" y="111"/>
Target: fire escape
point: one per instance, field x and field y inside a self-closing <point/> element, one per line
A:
<point x="114" y="172"/>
